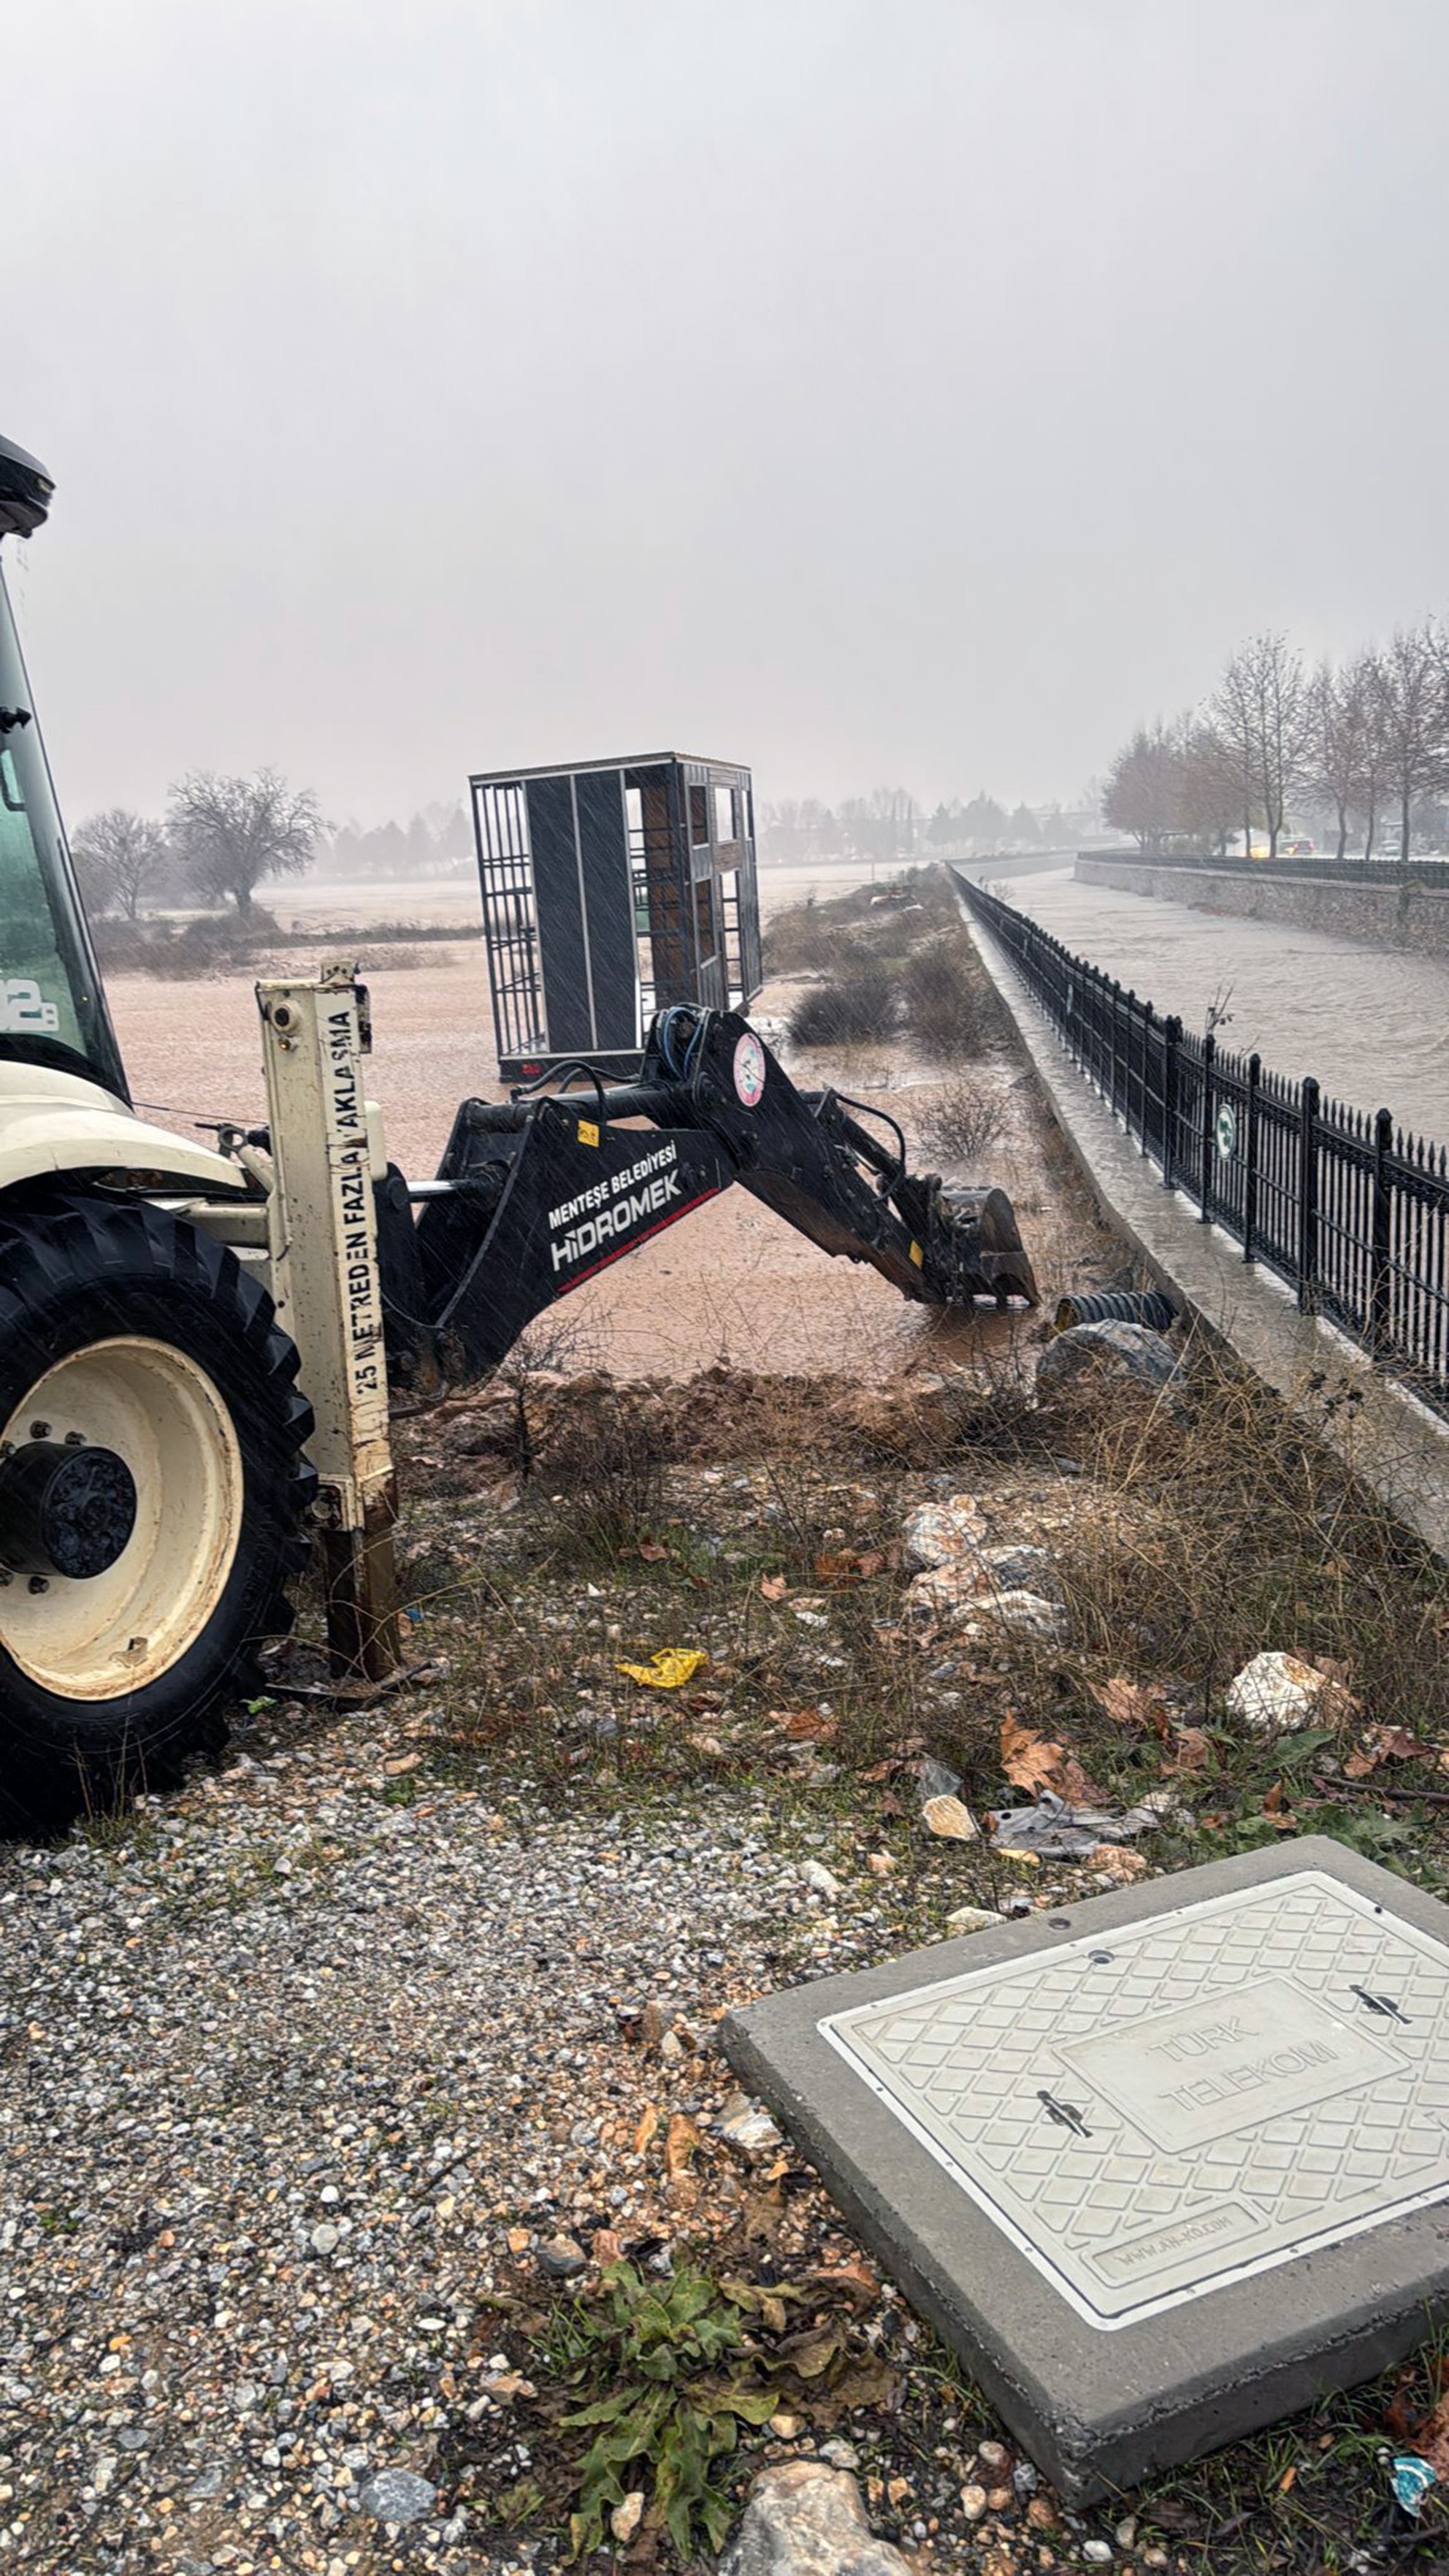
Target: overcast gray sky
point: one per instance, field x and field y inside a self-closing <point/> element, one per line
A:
<point x="908" y="390"/>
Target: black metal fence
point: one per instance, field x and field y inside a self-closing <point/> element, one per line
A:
<point x="1404" y="877"/>
<point x="1349" y="1210"/>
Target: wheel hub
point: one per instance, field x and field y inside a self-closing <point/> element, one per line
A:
<point x="66" y="1508"/>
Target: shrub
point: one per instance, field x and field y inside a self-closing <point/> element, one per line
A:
<point x="951" y="1011"/>
<point x="850" y="1010"/>
<point x="962" y="1122"/>
<point x="605" y="1473"/>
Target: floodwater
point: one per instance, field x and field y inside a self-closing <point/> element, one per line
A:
<point x="1371" y="1023"/>
<point x="733" y="1282"/>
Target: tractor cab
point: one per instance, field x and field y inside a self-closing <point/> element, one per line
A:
<point x="52" y="1006"/>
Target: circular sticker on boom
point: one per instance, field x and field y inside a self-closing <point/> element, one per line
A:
<point x="749" y="1070"/>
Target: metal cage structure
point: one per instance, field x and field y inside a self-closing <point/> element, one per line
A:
<point x="611" y="889"/>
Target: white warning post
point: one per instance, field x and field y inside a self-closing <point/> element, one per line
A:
<point x="323" y="1242"/>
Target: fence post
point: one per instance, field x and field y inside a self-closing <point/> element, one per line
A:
<point x="1144" y="1115"/>
<point x="1307" y="1193"/>
<point x="1382" y="1237"/>
<point x="1205" y="1138"/>
<point x="1250" y="1158"/>
<point x="1171" y="1041"/>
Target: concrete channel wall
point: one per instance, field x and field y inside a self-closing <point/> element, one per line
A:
<point x="1389" y="1439"/>
<point x="1391" y="916"/>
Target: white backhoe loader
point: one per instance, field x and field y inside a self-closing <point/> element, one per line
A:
<point x="195" y="1344"/>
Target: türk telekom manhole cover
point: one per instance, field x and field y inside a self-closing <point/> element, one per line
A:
<point x="1161" y="2167"/>
<point x="1236" y="2082"/>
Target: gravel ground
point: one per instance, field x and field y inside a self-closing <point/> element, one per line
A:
<point x="284" y="2065"/>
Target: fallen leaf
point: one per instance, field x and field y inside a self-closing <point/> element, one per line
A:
<point x="1280" y="1816"/>
<point x="519" y="2240"/>
<point x="1431" y="2441"/>
<point x="773" y="1587"/>
<point x="1076" y="1786"/>
<point x="669" y="1669"/>
<point x="848" y="1565"/>
<point x="606" y="2246"/>
<point x="810" y="2355"/>
<point x="647" y="2130"/>
<point x="762" y="2215"/>
<point x="652" y="1552"/>
<point x="1191" y="1750"/>
<point x="1130" y="1703"/>
<point x="404" y="1762"/>
<point x="863" y="2381"/>
<point x="948" y="1817"/>
<point x="1402" y="2415"/>
<point x="1385" y="1744"/>
<point x="1113" y="1860"/>
<point x="857" y="2280"/>
<point x="803" y="1725"/>
<point x="680" y="2141"/>
<point x="1029" y="1761"/>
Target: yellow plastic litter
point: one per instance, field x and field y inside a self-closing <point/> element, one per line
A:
<point x="669" y="1669"/>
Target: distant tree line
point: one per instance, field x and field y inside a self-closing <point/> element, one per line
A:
<point x="1359" y="747"/>
<point x="889" y="826"/>
<point x="220" y="838"/>
<point x="436" y="842"/>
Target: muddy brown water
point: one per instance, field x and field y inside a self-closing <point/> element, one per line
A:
<point x="733" y="1282"/>
<point x="1372" y="1024"/>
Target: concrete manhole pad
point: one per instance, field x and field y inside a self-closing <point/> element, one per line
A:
<point x="1162" y="2167"/>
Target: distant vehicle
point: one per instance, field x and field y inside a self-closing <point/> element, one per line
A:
<point x="1258" y="847"/>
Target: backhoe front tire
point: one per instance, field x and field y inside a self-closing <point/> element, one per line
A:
<point x="148" y="1398"/>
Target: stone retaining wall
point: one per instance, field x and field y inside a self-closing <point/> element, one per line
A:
<point x="1394" y="916"/>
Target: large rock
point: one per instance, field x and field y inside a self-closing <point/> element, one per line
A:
<point x="804" y="2519"/>
<point x="1115" y="1350"/>
<point x="1276" y="1692"/>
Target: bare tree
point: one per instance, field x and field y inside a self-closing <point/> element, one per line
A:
<point x="1231" y="715"/>
<point x="1262" y="711"/>
<point x="1342" y="729"/>
<point x="118" y="854"/>
<point x="1141" y="794"/>
<point x="1207" y="798"/>
<point x="1410" y="687"/>
<point x="232" y="832"/>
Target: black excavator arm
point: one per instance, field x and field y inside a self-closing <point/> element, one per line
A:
<point x="538" y="1193"/>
